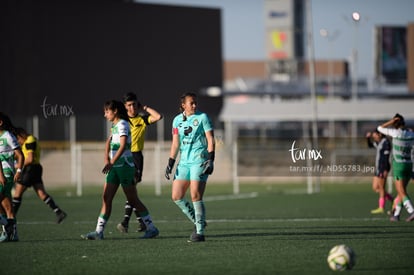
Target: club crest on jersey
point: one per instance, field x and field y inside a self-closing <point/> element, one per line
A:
<point x="195" y="122"/>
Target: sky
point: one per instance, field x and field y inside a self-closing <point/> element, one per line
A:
<point x="244" y="31"/>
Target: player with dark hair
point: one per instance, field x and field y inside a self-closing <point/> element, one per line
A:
<point x="140" y="116"/>
<point x="10" y="152"/>
<point x="402" y="144"/>
<point x="193" y="137"/>
<point x="382" y="167"/>
<point x="119" y="170"/>
<point x="32" y="175"/>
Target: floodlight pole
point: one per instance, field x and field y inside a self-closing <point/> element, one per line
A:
<point x="330" y="37"/>
<point x="356" y="17"/>
<point x="314" y="104"/>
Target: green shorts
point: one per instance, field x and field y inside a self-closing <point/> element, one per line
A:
<point x="402" y="171"/>
<point x="188" y="171"/>
<point x="6" y="189"/>
<point x="123" y="175"/>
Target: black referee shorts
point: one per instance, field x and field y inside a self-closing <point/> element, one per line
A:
<point x="31" y="174"/>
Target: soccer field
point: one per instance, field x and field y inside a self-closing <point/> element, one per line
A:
<point x="269" y="229"/>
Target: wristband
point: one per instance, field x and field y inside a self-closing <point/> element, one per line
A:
<point x="18" y="170"/>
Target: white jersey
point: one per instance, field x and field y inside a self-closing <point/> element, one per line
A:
<point x="8" y="143"/>
<point x="121" y="128"/>
<point x="402" y="143"/>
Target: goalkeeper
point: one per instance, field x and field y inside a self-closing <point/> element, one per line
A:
<point x="193" y="137"/>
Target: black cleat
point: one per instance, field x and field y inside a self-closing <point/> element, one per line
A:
<point x="60" y="217"/>
<point x="194" y="238"/>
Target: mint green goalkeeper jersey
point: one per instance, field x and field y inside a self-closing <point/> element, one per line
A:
<point x="191" y="131"/>
<point x="121" y="128"/>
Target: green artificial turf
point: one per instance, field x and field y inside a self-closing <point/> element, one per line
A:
<point x="267" y="229"/>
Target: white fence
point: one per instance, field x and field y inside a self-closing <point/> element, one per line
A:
<point x="80" y="164"/>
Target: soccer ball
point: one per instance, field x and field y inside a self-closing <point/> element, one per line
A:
<point x="341" y="257"/>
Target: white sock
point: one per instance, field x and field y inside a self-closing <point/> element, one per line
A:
<point x="100" y="225"/>
<point x="397" y="210"/>
<point x="408" y="206"/>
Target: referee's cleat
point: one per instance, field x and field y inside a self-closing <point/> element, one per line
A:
<point x="60" y="217"/>
<point x="194" y="238"/>
<point x="14" y="237"/>
<point x="122" y="228"/>
<point x="150" y="233"/>
<point x="93" y="236"/>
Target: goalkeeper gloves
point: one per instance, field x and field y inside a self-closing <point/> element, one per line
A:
<point x="169" y="168"/>
<point x="208" y="165"/>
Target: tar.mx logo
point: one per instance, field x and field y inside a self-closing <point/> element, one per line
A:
<point x="304" y="153"/>
<point x="54" y="110"/>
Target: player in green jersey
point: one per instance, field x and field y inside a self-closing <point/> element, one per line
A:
<point x="402" y="145"/>
<point x="119" y="169"/>
<point x="10" y="152"/>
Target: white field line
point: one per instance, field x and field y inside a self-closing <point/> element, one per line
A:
<point x="226" y="220"/>
<point x="293" y="220"/>
<point x="231" y="197"/>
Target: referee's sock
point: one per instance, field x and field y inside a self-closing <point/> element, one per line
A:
<point x="51" y="203"/>
<point x="127" y="215"/>
<point x="16" y="204"/>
